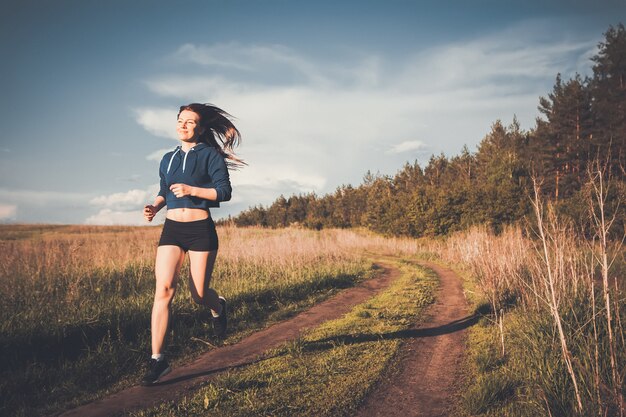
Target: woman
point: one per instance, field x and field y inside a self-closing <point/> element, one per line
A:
<point x="194" y="178"/>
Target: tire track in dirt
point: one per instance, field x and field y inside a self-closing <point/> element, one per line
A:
<point x="183" y="380"/>
<point x="428" y="376"/>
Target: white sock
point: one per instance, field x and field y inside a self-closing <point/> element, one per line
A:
<point x="158" y="356"/>
<point x="215" y="313"/>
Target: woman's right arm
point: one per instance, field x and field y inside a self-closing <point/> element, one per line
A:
<point x="150" y="210"/>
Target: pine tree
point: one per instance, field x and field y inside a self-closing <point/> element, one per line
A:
<point x="609" y="97"/>
<point x="500" y="198"/>
<point x="562" y="142"/>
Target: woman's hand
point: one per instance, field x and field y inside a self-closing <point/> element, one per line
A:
<point x="181" y="190"/>
<point x="149" y="211"/>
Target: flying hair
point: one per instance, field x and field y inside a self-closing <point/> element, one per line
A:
<point x="219" y="131"/>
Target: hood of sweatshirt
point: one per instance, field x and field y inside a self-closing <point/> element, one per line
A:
<point x="185" y="160"/>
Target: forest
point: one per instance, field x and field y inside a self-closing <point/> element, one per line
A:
<point x="582" y="123"/>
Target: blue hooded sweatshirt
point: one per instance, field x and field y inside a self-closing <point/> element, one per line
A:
<point x="202" y="166"/>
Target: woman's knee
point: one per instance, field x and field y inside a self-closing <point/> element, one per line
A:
<point x="164" y="293"/>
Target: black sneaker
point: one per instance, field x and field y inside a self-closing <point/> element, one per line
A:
<point x="219" y="323"/>
<point x="156" y="369"/>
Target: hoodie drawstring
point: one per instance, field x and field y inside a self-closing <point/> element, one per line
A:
<point x="184" y="159"/>
<point x="172" y="160"/>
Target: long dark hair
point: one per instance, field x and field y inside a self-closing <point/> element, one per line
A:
<point x="217" y="127"/>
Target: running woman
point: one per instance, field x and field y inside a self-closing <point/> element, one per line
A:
<point x="194" y="178"/>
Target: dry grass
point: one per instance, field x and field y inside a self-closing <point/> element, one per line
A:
<point x="566" y="308"/>
<point x="67" y="265"/>
<point x="80" y="296"/>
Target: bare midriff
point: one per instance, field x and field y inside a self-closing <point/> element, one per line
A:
<point x="187" y="214"/>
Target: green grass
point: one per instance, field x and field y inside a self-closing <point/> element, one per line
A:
<point x="327" y="371"/>
<point x="532" y="378"/>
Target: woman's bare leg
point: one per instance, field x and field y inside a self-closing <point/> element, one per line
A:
<point x="201" y="266"/>
<point x="169" y="259"/>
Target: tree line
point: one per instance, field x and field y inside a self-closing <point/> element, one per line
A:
<point x="583" y="121"/>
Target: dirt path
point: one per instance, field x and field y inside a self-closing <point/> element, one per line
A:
<point x="184" y="379"/>
<point x="427" y="380"/>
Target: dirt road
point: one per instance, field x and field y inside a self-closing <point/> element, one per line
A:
<point x="184" y="379"/>
<point x="427" y="380"/>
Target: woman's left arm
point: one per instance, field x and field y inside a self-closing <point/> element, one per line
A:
<point x="206" y="193"/>
<point x="221" y="190"/>
<point x="182" y="190"/>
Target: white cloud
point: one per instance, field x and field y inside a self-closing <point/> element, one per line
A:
<point x="158" y="155"/>
<point x="406" y="146"/>
<point x="266" y="176"/>
<point x="124" y="207"/>
<point x="261" y="183"/>
<point x="311" y="124"/>
<point x="8" y="212"/>
<point x="108" y="216"/>
<point x="47" y="206"/>
<point x="159" y="122"/>
<point x="213" y="55"/>
<point x="131" y="199"/>
<point x="186" y="88"/>
<point x="260" y="60"/>
<point x="505" y="63"/>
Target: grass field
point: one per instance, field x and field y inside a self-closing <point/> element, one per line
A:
<point x="77" y="304"/>
<point x="326" y="372"/>
<point x="78" y="300"/>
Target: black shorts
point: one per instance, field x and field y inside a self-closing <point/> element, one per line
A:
<point x="198" y="235"/>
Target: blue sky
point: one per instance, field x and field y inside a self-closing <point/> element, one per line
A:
<point x="322" y="91"/>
